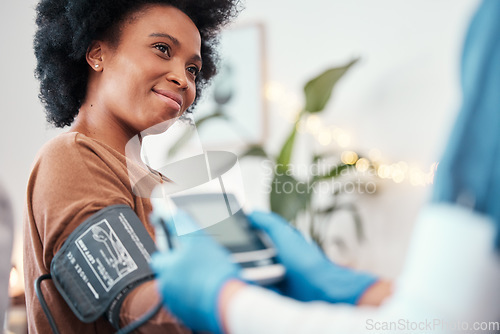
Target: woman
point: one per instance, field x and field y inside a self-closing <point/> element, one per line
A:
<point x="111" y="70"/>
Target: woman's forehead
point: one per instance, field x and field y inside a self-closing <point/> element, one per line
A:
<point x="160" y="19"/>
<point x="160" y="14"/>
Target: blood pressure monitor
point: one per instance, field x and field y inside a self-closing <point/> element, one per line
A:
<point x="250" y="248"/>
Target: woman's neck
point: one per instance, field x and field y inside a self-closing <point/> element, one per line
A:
<point x="103" y="129"/>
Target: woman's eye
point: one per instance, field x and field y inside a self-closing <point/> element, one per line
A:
<point x="163" y="48"/>
<point x="193" y="70"/>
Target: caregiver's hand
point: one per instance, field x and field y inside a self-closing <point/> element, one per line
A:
<point x="190" y="277"/>
<point x="310" y="275"/>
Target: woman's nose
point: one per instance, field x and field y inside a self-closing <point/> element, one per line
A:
<point x="177" y="75"/>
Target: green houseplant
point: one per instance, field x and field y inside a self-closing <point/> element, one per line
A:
<point x="294" y="197"/>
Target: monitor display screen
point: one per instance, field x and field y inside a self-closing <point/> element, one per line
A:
<point x="232" y="229"/>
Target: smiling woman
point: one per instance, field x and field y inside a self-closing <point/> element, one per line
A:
<point x="148" y="78"/>
<point x="111" y="70"/>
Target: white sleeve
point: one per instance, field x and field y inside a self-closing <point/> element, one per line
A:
<point x="256" y="310"/>
<point x="452" y="271"/>
<point x="451" y="276"/>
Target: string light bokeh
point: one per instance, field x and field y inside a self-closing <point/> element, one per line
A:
<point x="289" y="106"/>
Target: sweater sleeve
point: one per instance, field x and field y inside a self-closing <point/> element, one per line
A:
<point x="73" y="178"/>
<point x="69" y="183"/>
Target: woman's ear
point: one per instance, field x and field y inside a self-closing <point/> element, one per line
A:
<point x="94" y="56"/>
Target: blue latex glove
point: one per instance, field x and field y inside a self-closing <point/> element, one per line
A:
<point x="309" y="274"/>
<point x="191" y="275"/>
<point x="469" y="172"/>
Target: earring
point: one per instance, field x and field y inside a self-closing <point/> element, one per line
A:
<point x="96" y="65"/>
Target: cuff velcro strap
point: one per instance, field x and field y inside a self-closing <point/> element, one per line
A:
<point x="101" y="261"/>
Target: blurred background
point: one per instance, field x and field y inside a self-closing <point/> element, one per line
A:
<point x="394" y="107"/>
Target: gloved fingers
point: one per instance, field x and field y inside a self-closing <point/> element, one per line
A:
<point x="163" y="261"/>
<point x="180" y="222"/>
<point x="267" y="221"/>
<point x="165" y="265"/>
<point x="175" y="227"/>
<point x="196" y="241"/>
<point x="277" y="228"/>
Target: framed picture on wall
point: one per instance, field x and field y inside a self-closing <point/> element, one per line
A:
<point x="231" y="113"/>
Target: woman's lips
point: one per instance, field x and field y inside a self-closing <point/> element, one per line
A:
<point x="173" y="99"/>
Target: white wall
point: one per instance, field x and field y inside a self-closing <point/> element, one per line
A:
<point x="22" y="126"/>
<point x="400" y="98"/>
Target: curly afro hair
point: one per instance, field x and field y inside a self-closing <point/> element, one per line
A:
<point x="66" y="28"/>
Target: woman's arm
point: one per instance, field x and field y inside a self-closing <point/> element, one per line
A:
<point x="142" y="299"/>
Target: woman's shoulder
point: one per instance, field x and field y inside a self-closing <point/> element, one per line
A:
<point x="59" y="153"/>
<point x="72" y="159"/>
<point x="66" y="140"/>
<point x="57" y="148"/>
<point x="71" y="147"/>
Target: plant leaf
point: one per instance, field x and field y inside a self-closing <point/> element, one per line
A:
<point x="318" y="90"/>
<point x="283" y="161"/>
<point x="317" y="158"/>
<point x="256" y="150"/>
<point x="288" y="196"/>
<point x="334" y="172"/>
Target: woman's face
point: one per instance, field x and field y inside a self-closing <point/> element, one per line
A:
<point x="149" y="77"/>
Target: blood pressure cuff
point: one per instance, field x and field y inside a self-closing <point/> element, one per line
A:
<point x="101" y="261"/>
